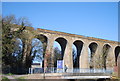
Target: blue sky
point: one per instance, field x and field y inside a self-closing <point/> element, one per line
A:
<point x="93" y="19"/>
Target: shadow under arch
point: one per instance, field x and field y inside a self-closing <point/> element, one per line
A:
<point x="63" y="42"/>
<point x="43" y="38"/>
<point x="79" y="45"/>
<point x="93" y="47"/>
<point x="117" y="53"/>
<point x="105" y="52"/>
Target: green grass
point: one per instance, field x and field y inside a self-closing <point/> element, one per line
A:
<point x="5" y="79"/>
<point x="20" y="79"/>
<point x="9" y="74"/>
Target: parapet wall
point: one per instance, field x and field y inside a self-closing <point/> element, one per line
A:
<point x="74" y="35"/>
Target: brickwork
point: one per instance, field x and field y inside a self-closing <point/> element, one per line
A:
<point x="70" y="38"/>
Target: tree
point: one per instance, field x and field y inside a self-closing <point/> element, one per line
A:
<point x="57" y="56"/>
<point x="12" y="28"/>
<point x="37" y="50"/>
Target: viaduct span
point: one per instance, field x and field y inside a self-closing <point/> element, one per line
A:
<point x="103" y="53"/>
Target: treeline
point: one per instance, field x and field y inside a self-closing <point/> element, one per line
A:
<point x="16" y="46"/>
<point x="20" y="46"/>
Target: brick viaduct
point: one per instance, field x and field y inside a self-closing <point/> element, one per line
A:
<point x="104" y="53"/>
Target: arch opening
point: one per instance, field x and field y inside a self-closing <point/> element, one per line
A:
<point x="105" y="52"/>
<point x="38" y="49"/>
<point x="92" y="50"/>
<point x="117" y="53"/>
<point x="59" y="49"/>
<point x="77" y="48"/>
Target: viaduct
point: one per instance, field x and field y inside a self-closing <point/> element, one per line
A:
<point x="104" y="53"/>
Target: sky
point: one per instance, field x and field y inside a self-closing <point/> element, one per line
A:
<point x="93" y="19"/>
<point x="60" y="0"/>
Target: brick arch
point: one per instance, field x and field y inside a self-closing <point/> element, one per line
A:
<point x="44" y="40"/>
<point x="41" y="37"/>
<point x="117" y="53"/>
<point x="79" y="46"/>
<point x="63" y="42"/>
<point x="107" y="44"/>
<point x="105" y="51"/>
<point x="93" y="42"/>
<point x="93" y="47"/>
